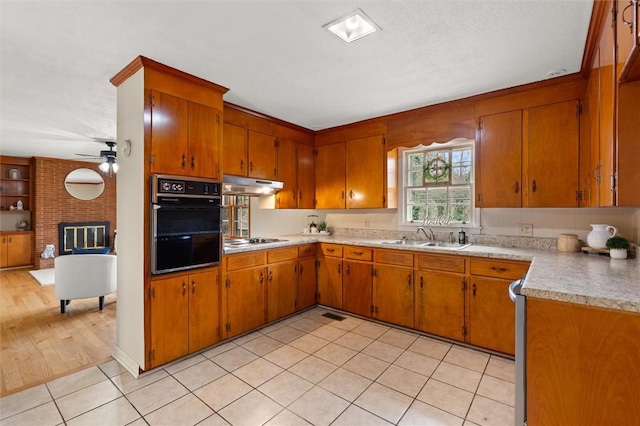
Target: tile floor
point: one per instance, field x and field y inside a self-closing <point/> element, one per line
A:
<point x="307" y="369"/>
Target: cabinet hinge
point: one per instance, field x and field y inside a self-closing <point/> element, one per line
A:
<point x="317" y="296"/>
<point x="464" y="330"/>
<point x="152" y="355"/>
<point x="384" y="140"/>
<point x="614" y="181"/>
<point x="374" y="272"/>
<point x="578" y="195"/>
<point x="317" y="263"/>
<point x="227" y="327"/>
<point x="151" y="100"/>
<point x="384" y="200"/>
<point x="151" y="159"/>
<point x="295" y="304"/>
<point x="579" y="109"/>
<point x="152" y="293"/>
<point x="464" y="284"/>
<point x="227" y="283"/>
<point x="479" y="124"/>
<point x="276" y="143"/>
<point x="371" y="309"/>
<point x="218" y="331"/>
<point x="217" y="118"/>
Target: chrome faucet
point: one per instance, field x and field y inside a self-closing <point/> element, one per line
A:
<point x="430" y="236"/>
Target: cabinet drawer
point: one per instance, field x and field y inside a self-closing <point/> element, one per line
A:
<point x="394" y="257"/>
<point x="499" y="269"/>
<point x="334" y="250"/>
<point x="246" y="260"/>
<point x="307" y="250"/>
<point x="280" y="255"/>
<point x="441" y="263"/>
<point x="358" y="253"/>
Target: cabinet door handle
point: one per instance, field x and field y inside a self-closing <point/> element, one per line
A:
<point x="184" y="161"/>
<point x="409" y="280"/>
<point x="270" y="276"/>
<point x="474" y="289"/>
<point x="630" y="23"/>
<point x="421" y="282"/>
<point x="10" y="240"/>
<point x="534" y="186"/>
<point x="339" y="268"/>
<point x="342" y="195"/>
<point x="348" y="269"/>
<point x="261" y="277"/>
<point x="300" y="195"/>
<point x="193" y="162"/>
<point x="516" y="187"/>
<point x="241" y="164"/>
<point x="250" y="166"/>
<point x="351" y="195"/>
<point x="193" y="287"/>
<point x="184" y="288"/>
<point x="301" y="269"/>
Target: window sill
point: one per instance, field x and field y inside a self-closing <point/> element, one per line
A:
<point x="471" y="230"/>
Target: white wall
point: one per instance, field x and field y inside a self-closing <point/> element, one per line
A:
<point x="547" y="223"/>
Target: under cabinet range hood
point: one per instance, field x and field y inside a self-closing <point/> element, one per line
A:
<point x="237" y="185"/>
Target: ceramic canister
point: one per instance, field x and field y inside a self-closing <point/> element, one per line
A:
<point x="568" y="243"/>
<point x="598" y="237"/>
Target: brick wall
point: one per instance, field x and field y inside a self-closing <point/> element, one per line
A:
<point x="53" y="204"/>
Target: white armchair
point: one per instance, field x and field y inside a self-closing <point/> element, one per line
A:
<point x="80" y="276"/>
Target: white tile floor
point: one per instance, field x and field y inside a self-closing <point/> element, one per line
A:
<point x="307" y="369"/>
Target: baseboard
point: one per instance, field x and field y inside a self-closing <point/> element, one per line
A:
<point x="126" y="361"/>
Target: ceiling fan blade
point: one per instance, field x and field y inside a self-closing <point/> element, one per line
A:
<point x="89" y="155"/>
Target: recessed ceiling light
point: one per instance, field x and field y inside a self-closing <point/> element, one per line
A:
<point x="556" y="73"/>
<point x="352" y="26"/>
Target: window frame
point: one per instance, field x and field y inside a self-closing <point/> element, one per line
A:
<point x="403" y="222"/>
<point x="229" y="205"/>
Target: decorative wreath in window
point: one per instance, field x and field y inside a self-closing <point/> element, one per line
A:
<point x="437" y="169"/>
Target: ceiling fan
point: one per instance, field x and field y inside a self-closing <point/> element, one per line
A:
<point x="109" y="156"/>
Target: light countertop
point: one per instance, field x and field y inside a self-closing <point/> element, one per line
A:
<point x="587" y="279"/>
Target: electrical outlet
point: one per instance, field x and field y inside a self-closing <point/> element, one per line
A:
<point x="525" y="230"/>
<point x="366" y="223"/>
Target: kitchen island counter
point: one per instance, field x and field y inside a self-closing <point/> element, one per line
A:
<point x="587" y="279"/>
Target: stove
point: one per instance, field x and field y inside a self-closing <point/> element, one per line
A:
<point x="235" y="242"/>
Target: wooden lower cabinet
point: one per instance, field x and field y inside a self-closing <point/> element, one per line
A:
<point x="282" y="289"/>
<point x="357" y="286"/>
<point x="246" y="300"/>
<point x="184" y="315"/>
<point x="16" y="249"/>
<point x="393" y="295"/>
<point x="307" y="283"/>
<point x="491" y="315"/>
<point x="330" y="282"/>
<point x="440" y="304"/>
<point x="581" y="364"/>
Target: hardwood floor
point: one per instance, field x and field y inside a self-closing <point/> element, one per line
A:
<point x="38" y="343"/>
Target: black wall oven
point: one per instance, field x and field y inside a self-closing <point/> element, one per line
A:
<point x="185" y="223"/>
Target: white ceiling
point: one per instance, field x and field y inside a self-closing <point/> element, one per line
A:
<point x="274" y="56"/>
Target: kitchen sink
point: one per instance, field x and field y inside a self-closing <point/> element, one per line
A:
<point x="435" y="244"/>
<point x="241" y="242"/>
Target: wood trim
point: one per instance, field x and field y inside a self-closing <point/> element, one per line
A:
<point x="599" y="15"/>
<point x="142" y="61"/>
<point x="268" y="118"/>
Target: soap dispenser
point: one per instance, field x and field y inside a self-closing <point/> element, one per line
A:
<point x="462" y="237"/>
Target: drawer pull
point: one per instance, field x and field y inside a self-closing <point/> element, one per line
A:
<point x="307" y="250"/>
<point x="330" y="250"/>
<point x="498" y="269"/>
<point x="359" y="253"/>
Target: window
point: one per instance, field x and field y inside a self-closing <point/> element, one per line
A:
<point x="438" y="184"/>
<point x="235" y="216"/>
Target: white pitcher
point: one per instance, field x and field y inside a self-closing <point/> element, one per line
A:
<point x="600" y="234"/>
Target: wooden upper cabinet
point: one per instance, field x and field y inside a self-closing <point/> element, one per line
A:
<point x="185" y="137"/>
<point x="263" y="156"/>
<point x="365" y="175"/>
<point x="330" y="176"/>
<point x="205" y="141"/>
<point x="169" y="133"/>
<point x="553" y="153"/>
<point x="286" y="198"/>
<point x="234" y="150"/>
<point x="499" y="165"/>
<point x="306" y="176"/>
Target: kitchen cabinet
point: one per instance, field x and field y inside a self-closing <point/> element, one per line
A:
<point x="553" y="155"/>
<point x="330" y="275"/>
<point x="365" y="173"/>
<point x="234" y="148"/>
<point x="393" y="295"/>
<point x="330" y="170"/>
<point x="16" y="249"/>
<point x="244" y="300"/>
<point x="282" y="282"/>
<point x="628" y="37"/>
<point x="184" y="315"/>
<point x="582" y="372"/>
<point x="491" y="313"/>
<point x="357" y="287"/>
<point x="440" y="295"/>
<point x="307" y="281"/>
<point x="296" y="170"/>
<point x="499" y="165"/>
<point x="186" y="137"/>
<point x="262" y="155"/>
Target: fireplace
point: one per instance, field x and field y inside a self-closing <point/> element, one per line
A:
<point x="82" y="235"/>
